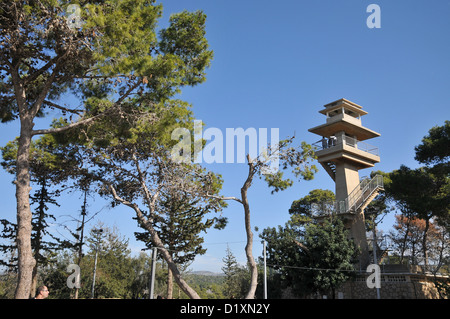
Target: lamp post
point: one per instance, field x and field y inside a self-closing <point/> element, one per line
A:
<point x="374" y="245"/>
<point x="151" y="283"/>
<point x="98" y="232"/>
<point x="265" y="270"/>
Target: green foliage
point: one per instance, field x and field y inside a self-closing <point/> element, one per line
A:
<point x="231" y="270"/>
<point x="47" y="159"/>
<point x="282" y="251"/>
<point x="434" y="152"/>
<point x="298" y="159"/>
<point x="185" y="39"/>
<point x="208" y="287"/>
<point x="180" y="221"/>
<point x="116" y="38"/>
<point x="316" y="259"/>
<point x="330" y="256"/>
<point x="301" y="209"/>
<point x="114" y="264"/>
<point x="119" y="274"/>
<point x="8" y="282"/>
<point x="49" y="165"/>
<point x="421" y="192"/>
<point x="127" y="29"/>
<point x="54" y="276"/>
<point x="424" y="193"/>
<point x="435" y="146"/>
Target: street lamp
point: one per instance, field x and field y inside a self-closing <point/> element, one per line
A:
<point x="151" y="284"/>
<point x="98" y="232"/>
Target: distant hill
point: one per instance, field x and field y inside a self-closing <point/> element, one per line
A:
<point x="207" y="273"/>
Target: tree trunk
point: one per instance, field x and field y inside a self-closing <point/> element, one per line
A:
<point x="148" y="225"/>
<point x="169" y="284"/>
<point x="424" y="243"/>
<point x="405" y="238"/>
<point x="38" y="239"/>
<point x="249" y="249"/>
<point x="26" y="261"/>
<point x="172" y="266"/>
<point x="80" y="248"/>
<point x="248" y="229"/>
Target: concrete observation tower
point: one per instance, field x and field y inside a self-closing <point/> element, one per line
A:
<point x="342" y="153"/>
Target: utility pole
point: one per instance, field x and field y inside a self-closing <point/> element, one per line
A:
<point x="374" y="244"/>
<point x="152" y="280"/>
<point x="81" y="228"/>
<point x="98" y="231"/>
<point x="265" y="270"/>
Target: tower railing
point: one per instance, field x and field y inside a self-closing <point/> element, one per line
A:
<point x="362" y="192"/>
<point x="353" y="202"/>
<point x="363" y="146"/>
<point x="346" y="140"/>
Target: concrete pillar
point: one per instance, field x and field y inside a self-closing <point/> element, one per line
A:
<point x="347" y="178"/>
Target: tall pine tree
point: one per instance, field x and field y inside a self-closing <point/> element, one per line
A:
<point x="49" y="166"/>
<point x="105" y="52"/>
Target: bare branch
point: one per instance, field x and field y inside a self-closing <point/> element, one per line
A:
<point x="151" y="199"/>
<point x="70" y="126"/>
<point x="135" y="207"/>
<point x="303" y="247"/>
<point x="224" y="197"/>
<point x="62" y="108"/>
<point x="40" y="71"/>
<point x="49" y="82"/>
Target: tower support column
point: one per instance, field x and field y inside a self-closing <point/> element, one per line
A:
<point x="357" y="232"/>
<point x="347" y="178"/>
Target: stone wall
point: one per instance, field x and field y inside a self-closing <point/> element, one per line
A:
<point x="393" y="286"/>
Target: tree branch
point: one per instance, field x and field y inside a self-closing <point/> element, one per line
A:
<point x="88" y="120"/>
<point x="70" y="126"/>
<point x="224" y="197"/>
<point x="135" y="207"/>
<point x="49" y="82"/>
<point x="151" y="199"/>
<point x="62" y="108"/>
<point x="40" y="71"/>
<point x="303" y="247"/>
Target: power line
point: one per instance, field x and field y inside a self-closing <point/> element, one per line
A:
<point x="228" y="242"/>
<point x="205" y="244"/>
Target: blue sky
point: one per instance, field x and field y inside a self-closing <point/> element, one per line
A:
<point x="275" y="65"/>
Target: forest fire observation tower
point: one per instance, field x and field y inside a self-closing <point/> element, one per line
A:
<point x="342" y="153"/>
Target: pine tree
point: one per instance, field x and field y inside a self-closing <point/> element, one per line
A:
<point x="231" y="270"/>
<point x="329" y="257"/>
<point x="310" y="257"/>
<point x="103" y="52"/>
<point x="48" y="167"/>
